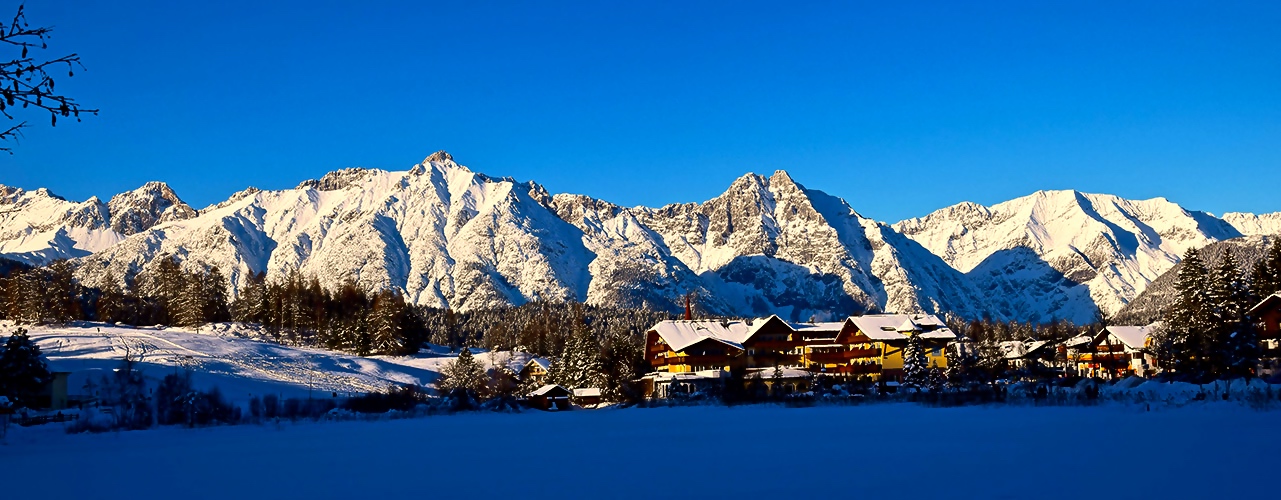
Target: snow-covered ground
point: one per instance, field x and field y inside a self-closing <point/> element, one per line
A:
<point x="1217" y="450"/>
<point x="227" y="356"/>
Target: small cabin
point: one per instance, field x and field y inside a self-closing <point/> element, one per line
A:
<point x="550" y="397"/>
<point x="588" y="396"/>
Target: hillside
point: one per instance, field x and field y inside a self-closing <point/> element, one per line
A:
<point x="1148" y="306"/>
<point x="230" y="357"/>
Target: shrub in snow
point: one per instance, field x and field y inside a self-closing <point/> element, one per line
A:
<point x="404" y="398"/>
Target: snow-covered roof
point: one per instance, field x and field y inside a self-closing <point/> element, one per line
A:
<point x="888" y="326"/>
<point x="1033" y="346"/>
<point x="827" y="326"/>
<point x="939" y="333"/>
<point x="1078" y="341"/>
<point x="680" y="334"/>
<point x="1264" y="303"/>
<point x="518" y="361"/>
<point x="589" y="392"/>
<point x="1013" y="349"/>
<point x="1134" y="337"/>
<point x="544" y="390"/>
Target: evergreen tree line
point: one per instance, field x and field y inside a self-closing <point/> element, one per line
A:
<point x="296" y="309"/>
<point x="987" y="331"/>
<point x="1206" y="333"/>
<point x="164" y="294"/>
<point x="589" y="347"/>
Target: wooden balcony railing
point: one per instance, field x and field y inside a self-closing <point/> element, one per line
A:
<point x="775" y="345"/>
<point x="850" y="369"/>
<point x="839" y="356"/>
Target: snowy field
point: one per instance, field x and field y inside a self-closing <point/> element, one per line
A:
<point x="227" y="356"/>
<point x="876" y="451"/>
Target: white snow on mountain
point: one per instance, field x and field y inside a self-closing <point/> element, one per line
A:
<point x="443" y="234"/>
<point x="766" y="246"/>
<point x="37" y="227"/>
<point x="450" y="237"/>
<point x="1058" y="254"/>
<point x="1255" y="225"/>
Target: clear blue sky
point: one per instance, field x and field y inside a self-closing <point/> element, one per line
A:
<point x="899" y="107"/>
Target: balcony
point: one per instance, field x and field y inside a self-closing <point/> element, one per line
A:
<point x="850" y="369"/>
<point x="775" y="345"/>
<point x="842" y="356"/>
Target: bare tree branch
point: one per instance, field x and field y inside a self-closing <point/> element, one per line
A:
<point x="26" y="81"/>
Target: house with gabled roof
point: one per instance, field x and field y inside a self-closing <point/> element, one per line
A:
<point x="1119" y="351"/>
<point x="549" y="397"/>
<point x="889" y="333"/>
<point x="865" y="347"/>
<point x="1267" y="315"/>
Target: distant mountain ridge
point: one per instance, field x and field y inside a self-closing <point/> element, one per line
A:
<point x="38" y="226"/>
<point x="1060" y="254"/>
<point x="451" y="237"/>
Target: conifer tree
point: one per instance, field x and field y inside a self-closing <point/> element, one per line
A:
<point x="464" y="373"/>
<point x="1234" y="341"/>
<point x="1185" y="335"/>
<point x="110" y="306"/>
<point x="385" y="322"/>
<point x="213" y="291"/>
<point x="915" y="364"/>
<point x="1265" y="280"/>
<point x="22" y="371"/>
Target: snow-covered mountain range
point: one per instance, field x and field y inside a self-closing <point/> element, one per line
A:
<point x="1059" y="254"/>
<point x="451" y="237"/>
<point x="38" y="226"/>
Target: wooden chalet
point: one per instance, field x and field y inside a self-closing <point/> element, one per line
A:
<point x="889" y="333"/>
<point x="1267" y="314"/>
<point x="864" y="347"/>
<point x="587" y="396"/>
<point x="534" y="370"/>
<point x="1119" y="351"/>
<point x="550" y="397"/>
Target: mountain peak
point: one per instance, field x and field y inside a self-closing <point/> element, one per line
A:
<point x="152" y="203"/>
<point x="441" y="156"/>
<point x="337" y="180"/>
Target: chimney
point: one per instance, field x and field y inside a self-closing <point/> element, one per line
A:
<point x="689" y="315"/>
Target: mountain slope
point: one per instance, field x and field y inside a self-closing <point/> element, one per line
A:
<point x="1058" y="254"/>
<point x="1255" y="225"/>
<point x="443" y="234"/>
<point x="1160" y="294"/>
<point x="37" y="227"/>
<point x="768" y="245"/>
<point x="450" y="237"/>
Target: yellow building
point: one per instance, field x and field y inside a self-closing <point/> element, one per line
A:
<point x="862" y="347"/>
